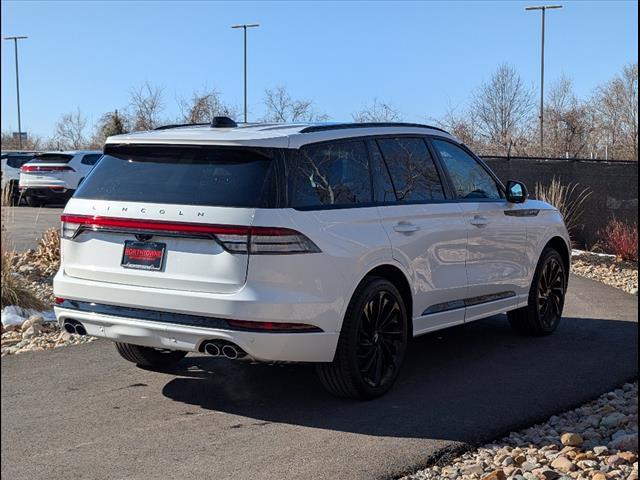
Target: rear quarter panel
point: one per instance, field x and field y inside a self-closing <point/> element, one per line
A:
<point x="352" y="242"/>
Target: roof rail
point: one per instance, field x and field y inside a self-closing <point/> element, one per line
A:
<point x="178" y="125"/>
<point x="339" y="126"/>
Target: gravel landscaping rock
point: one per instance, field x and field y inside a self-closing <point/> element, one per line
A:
<point x="38" y="336"/>
<point x="571" y="440"/>
<point x="37" y="268"/>
<point x="606" y="269"/>
<point x="597" y="441"/>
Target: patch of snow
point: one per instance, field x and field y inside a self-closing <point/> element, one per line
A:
<point x="576" y="253"/>
<point x="48" y="315"/>
<point x="13" y="315"/>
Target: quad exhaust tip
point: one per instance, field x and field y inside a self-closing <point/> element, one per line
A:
<point x="74" y="327"/>
<point x="230" y="352"/>
<point x="222" y="348"/>
<point x="212" y="349"/>
<point x="69" y="327"/>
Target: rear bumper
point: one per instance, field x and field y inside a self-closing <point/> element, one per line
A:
<point x="53" y="192"/>
<point x="243" y="305"/>
<point x="291" y="347"/>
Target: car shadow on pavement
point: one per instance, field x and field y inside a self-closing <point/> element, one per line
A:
<point x="469" y="383"/>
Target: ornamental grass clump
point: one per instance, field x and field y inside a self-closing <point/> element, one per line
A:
<point x="568" y="199"/>
<point x="14" y="290"/>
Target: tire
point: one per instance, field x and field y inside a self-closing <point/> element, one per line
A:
<point x="149" y="357"/>
<point x="15" y="195"/>
<point x="33" y="201"/>
<point x="372" y="343"/>
<point x="546" y="298"/>
<point x="11" y="194"/>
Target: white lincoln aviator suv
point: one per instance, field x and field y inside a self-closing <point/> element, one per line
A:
<point x="326" y="243"/>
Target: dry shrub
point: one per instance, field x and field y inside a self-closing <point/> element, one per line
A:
<point x="14" y="291"/>
<point x="47" y="253"/>
<point x="44" y="260"/>
<point x="568" y="199"/>
<point x="621" y="240"/>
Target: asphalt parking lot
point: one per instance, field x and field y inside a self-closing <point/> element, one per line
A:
<point x="83" y="412"/>
<point x="25" y="225"/>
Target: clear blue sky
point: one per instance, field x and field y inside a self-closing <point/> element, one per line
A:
<point x="418" y="56"/>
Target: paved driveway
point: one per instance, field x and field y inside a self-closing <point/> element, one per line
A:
<point x="24" y="225"/>
<point x="82" y="412"/>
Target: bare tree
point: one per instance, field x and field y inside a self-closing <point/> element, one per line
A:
<point x="280" y="107"/>
<point x="568" y="123"/>
<point x="146" y="104"/>
<point x="462" y="125"/>
<point x="70" y="131"/>
<point x="111" y="123"/>
<point x="503" y="108"/>
<point x="10" y="141"/>
<point x="606" y="116"/>
<point x="203" y="106"/>
<point x="615" y="112"/>
<point x="377" y="112"/>
<point x="628" y="97"/>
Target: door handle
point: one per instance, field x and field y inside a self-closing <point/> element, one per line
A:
<point x="406" y="227"/>
<point x="479" y="221"/>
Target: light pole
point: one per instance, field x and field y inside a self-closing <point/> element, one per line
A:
<point x="244" y="26"/>
<point x="15" y="46"/>
<point x="543" y="8"/>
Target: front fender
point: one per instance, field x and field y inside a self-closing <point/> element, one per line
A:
<point x="544" y="229"/>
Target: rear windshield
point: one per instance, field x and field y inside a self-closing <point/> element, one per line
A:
<point x="209" y="176"/>
<point x="16" y="161"/>
<point x="52" y="158"/>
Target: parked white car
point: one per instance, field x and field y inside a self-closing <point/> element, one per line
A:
<point x="53" y="177"/>
<point x="325" y="243"/>
<point x="11" y="163"/>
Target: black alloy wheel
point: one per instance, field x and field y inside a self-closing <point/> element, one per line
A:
<point x="372" y="342"/>
<point x="543" y="312"/>
<point x="551" y="293"/>
<point x="380" y="339"/>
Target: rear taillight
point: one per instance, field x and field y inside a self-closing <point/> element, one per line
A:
<point x="68" y="228"/>
<point x="265" y="240"/>
<point x="45" y="168"/>
<point x="234" y="239"/>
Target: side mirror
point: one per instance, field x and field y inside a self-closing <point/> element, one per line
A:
<point x="516" y="192"/>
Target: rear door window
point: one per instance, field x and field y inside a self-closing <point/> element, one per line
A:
<point x="412" y="169"/>
<point x="382" y="186"/>
<point x="329" y="174"/>
<point x="16" y="161"/>
<point x="209" y="176"/>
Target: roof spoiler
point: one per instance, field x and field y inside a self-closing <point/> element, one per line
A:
<point x="217" y="122"/>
